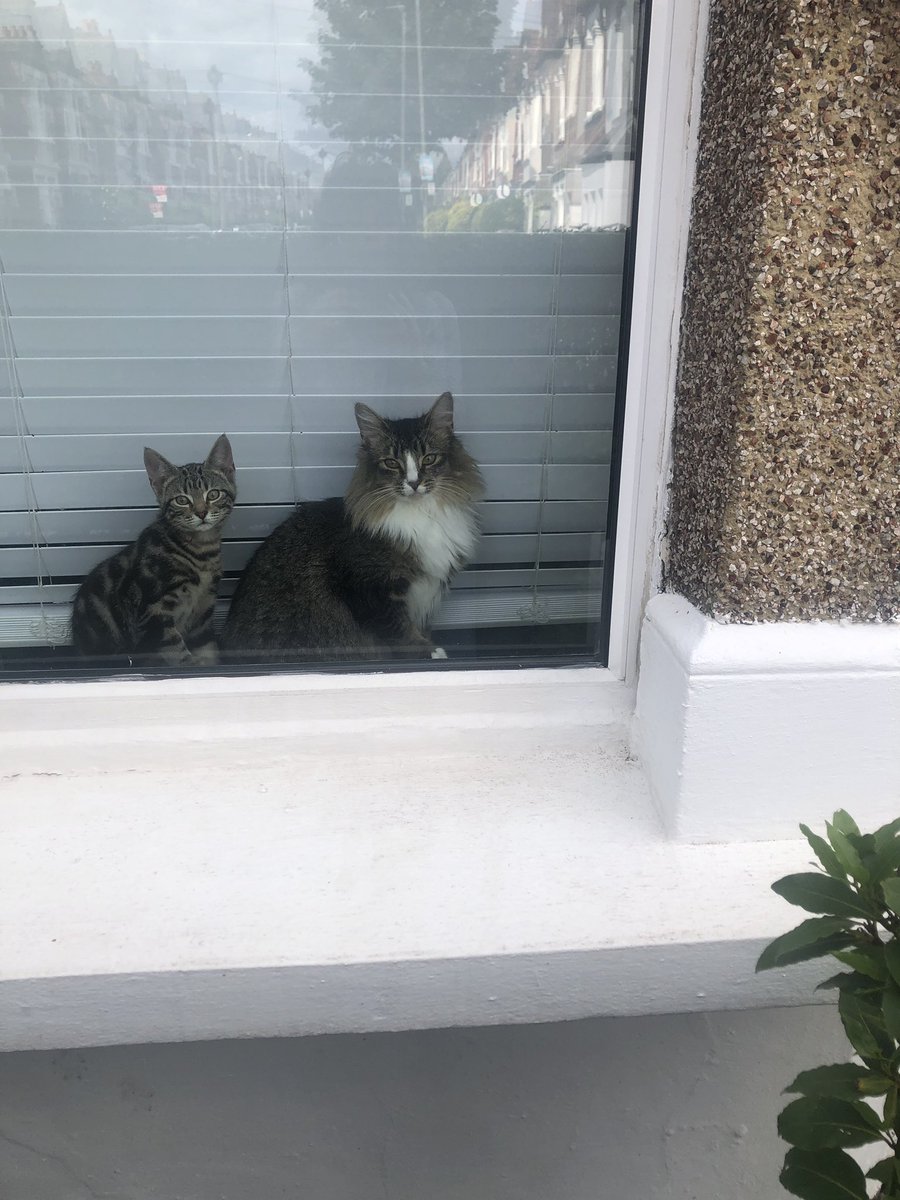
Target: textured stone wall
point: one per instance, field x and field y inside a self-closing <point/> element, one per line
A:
<point x="785" y="501"/>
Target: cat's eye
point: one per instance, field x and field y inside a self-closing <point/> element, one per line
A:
<point x="182" y="500"/>
<point x="391" y="464"/>
<point x="430" y="459"/>
<point x="215" y="494"/>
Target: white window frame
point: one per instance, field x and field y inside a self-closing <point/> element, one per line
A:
<point x="673" y="70"/>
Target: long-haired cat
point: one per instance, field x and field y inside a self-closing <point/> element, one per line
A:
<point x="155" y="597"/>
<point x="360" y="576"/>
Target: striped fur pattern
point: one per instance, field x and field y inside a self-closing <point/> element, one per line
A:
<point x="359" y="577"/>
<point x="154" y="599"/>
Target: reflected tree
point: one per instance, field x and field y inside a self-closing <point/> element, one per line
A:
<point x="372" y="57"/>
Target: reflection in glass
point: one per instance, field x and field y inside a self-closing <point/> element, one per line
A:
<point x="114" y="116"/>
<point x="249" y="218"/>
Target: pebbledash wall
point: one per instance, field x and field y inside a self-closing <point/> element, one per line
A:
<point x="785" y="498"/>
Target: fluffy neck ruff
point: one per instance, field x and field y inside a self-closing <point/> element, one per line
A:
<point x="441" y="536"/>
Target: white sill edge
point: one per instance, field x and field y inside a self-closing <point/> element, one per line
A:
<point x="376" y="997"/>
<point x="706" y="647"/>
<point x="299" y="683"/>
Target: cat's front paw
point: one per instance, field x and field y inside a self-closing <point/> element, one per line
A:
<point x="438" y="652"/>
<point x="176" y="657"/>
<point x="205" y="656"/>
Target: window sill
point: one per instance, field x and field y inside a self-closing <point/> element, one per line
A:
<point x="231" y="858"/>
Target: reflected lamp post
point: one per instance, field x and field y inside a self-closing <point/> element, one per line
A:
<point x="214" y="75"/>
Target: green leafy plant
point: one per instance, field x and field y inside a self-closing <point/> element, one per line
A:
<point x="855" y="896"/>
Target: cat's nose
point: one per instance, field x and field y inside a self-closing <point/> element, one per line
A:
<point x="201" y="513"/>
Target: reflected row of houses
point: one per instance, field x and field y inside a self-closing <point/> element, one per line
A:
<point x="567" y="144"/>
<point x="94" y="135"/>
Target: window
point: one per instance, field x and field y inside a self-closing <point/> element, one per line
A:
<point x="248" y="220"/>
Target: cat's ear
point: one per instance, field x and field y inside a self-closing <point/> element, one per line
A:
<point x="440" y="416"/>
<point x="371" y="426"/>
<point x="159" y="470"/>
<point x="220" y="458"/>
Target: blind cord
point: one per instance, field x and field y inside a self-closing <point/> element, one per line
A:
<point x="17" y="396"/>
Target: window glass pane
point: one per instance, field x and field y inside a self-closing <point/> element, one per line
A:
<point x="250" y="217"/>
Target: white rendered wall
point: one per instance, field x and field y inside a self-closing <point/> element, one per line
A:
<point x="651" y="1108"/>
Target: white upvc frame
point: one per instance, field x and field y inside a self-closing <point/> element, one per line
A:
<point x="674" y="73"/>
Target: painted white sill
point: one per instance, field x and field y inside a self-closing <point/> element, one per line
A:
<point x="224" y="858"/>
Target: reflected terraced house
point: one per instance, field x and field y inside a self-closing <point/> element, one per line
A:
<point x="566" y="143"/>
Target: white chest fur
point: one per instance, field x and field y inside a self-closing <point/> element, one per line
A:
<point x="441" y="537"/>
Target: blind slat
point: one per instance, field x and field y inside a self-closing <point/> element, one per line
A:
<point x="21" y="562"/>
<point x="30" y="625"/>
<point x="103" y="452"/>
<point x="312" y="336"/>
<point x="98" y="295"/>
<point x="118" y="525"/>
<point x="151" y="416"/>
<point x="477" y="580"/>
<point x="361" y="377"/>
<point x="272" y="485"/>
<point x="174" y="252"/>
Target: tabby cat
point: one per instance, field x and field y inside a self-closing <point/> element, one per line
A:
<point x="155" y="598"/>
<point x="360" y="576"/>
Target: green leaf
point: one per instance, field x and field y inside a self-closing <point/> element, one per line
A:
<point x="864" y="1025"/>
<point x="886" y="851"/>
<point x="847" y="854"/>
<point x="824" y="853"/>
<point x="885" y="1171"/>
<point x="851" y="981"/>
<point x="867" y="960"/>
<point x="844" y="1081"/>
<point x="824" y="1123"/>
<point x="890" y="1108"/>
<point x="875" y="1085"/>
<point x="886" y="862"/>
<point x="886" y="834"/>
<point x="892" y="959"/>
<point x="833" y="981"/>
<point x="823" y="1175"/>
<point x="891" y="1011"/>
<point x="811" y="939"/>
<point x="822" y="894"/>
<point x="845" y="823"/>
<point x="891" y="889"/>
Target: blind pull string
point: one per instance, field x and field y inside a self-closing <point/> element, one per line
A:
<point x="17" y="395"/>
<point x="548" y="421"/>
<point x="279" y="104"/>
